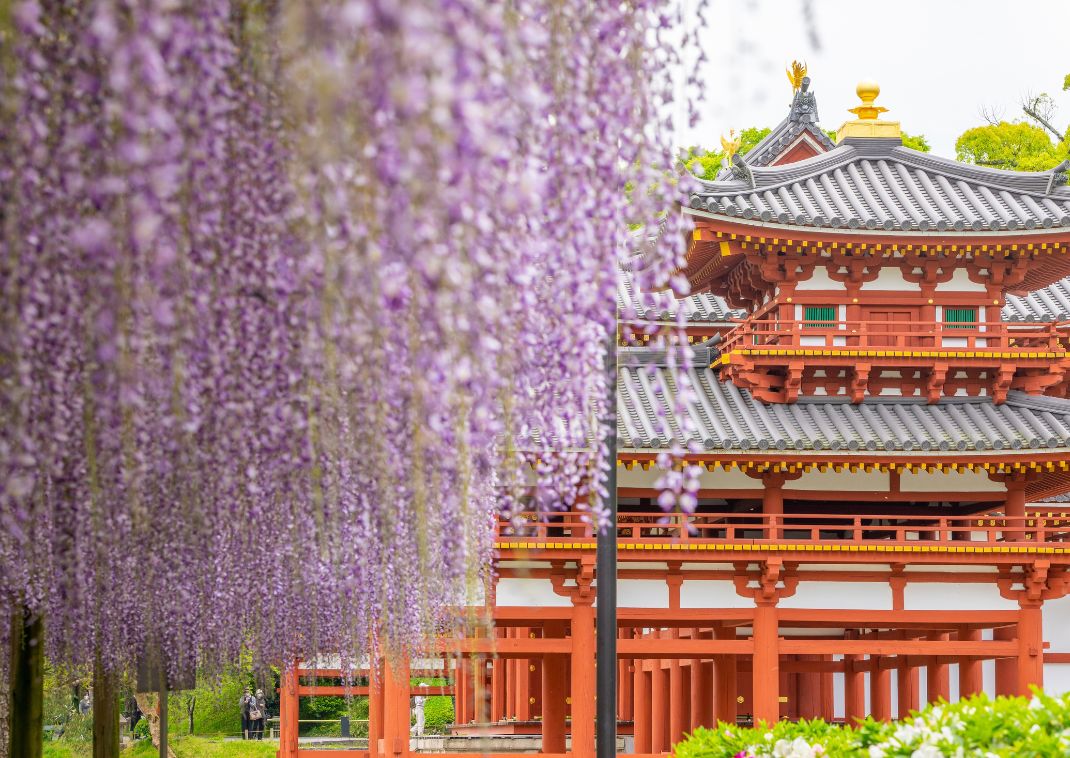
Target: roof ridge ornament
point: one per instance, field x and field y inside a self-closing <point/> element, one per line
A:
<point x="796" y="74"/>
<point x="1058" y="176"/>
<point x="803" y="104"/>
<point x="867" y="123"/>
<point x="730" y="146"/>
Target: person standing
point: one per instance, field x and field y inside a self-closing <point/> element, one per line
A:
<point x="419" y="703"/>
<point x="244" y="705"/>
<point x="256" y="716"/>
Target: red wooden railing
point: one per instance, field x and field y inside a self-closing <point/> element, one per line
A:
<point x="984" y="335"/>
<point x="731" y="528"/>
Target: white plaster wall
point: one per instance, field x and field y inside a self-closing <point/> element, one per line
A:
<point x="711" y="593"/>
<point x="820" y="281"/>
<point x="943" y="596"/>
<point x="960" y="282"/>
<point x="890" y="279"/>
<point x="853" y="595"/>
<point x="874" y="481"/>
<point x="642" y="593"/>
<point x="1057" y="632"/>
<point x="529" y="592"/>
<point x="952" y="481"/>
<point x="717" y="479"/>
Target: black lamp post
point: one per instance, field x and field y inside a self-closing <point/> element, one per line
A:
<point x="606" y="577"/>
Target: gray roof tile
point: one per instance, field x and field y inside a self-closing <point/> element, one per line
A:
<point x="729" y="418"/>
<point x="663" y="306"/>
<point x="879" y="184"/>
<point x="1052" y="303"/>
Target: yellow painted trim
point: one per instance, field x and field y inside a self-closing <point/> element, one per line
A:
<point x="814" y="547"/>
<point x="833" y="353"/>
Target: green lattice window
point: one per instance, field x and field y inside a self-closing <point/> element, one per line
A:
<point x="819" y="316"/>
<point x="960" y="318"/>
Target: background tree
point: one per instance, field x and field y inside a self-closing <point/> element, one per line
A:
<point x="1010" y="145"/>
<point x="1035" y="144"/>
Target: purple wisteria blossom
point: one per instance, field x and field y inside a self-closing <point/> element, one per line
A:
<point x="294" y="295"/>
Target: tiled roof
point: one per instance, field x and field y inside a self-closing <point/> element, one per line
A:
<point x="1052" y="303"/>
<point x="787" y="131"/>
<point x="663" y="306"/>
<point x="728" y="418"/>
<point x="879" y="184"/>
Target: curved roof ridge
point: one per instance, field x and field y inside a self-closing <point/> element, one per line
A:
<point x="1032" y="182"/>
<point x="772" y="145"/>
<point x="767" y="177"/>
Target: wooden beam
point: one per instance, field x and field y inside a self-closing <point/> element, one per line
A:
<point x="513" y="647"/>
<point x="320" y="690"/>
<point x="872" y="618"/>
<point x="984" y="649"/>
<point x="651" y="647"/>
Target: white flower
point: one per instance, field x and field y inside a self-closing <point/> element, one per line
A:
<point x="927" y="751"/>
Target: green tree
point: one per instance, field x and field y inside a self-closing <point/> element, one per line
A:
<point x="916" y="142"/>
<point x="706" y="164"/>
<point x="1013" y="145"/>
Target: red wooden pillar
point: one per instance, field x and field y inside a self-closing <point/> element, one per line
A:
<point x="534" y="688"/>
<point x="659" y="707"/>
<point x="1030" y="647"/>
<point x="701" y="688"/>
<point x="396" y="710"/>
<point x="458" y="690"/>
<point x="375" y="709"/>
<point x="765" y="670"/>
<point x="828" y="692"/>
<point x="854" y="682"/>
<point x="641" y="708"/>
<point x="1006" y="668"/>
<point x="679" y="694"/>
<point x="809" y="696"/>
<point x="880" y="690"/>
<point x="702" y="696"/>
<point x="583" y="679"/>
<point x="523" y="682"/>
<point x="498" y="684"/>
<point x="938" y="676"/>
<point x="773" y="500"/>
<point x="1014" y="508"/>
<point x="908" y="686"/>
<point x="724" y="679"/>
<point x="511" y="669"/>
<point x="289" y="704"/>
<point x="625" y="683"/>
<point x="971" y="676"/>
<point x="554" y="692"/>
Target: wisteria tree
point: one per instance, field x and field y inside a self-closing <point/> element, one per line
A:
<point x="291" y="292"/>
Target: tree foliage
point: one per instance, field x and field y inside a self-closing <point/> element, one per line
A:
<point x="706" y="164"/>
<point x="916" y="142"/>
<point x="1017" y="145"/>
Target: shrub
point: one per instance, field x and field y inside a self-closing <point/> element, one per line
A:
<point x="1019" y="727"/>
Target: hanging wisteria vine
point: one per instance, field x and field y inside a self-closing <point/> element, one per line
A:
<point x="294" y="294"/>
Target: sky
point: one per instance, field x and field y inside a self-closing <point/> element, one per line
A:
<point x="938" y="62"/>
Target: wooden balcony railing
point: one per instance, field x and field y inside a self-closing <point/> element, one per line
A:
<point x="734" y="528"/>
<point x="901" y="335"/>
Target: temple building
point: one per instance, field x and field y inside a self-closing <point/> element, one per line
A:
<point x="879" y="348"/>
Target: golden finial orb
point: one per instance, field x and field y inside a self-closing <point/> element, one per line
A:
<point x="868" y="90"/>
<point x="867" y="122"/>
